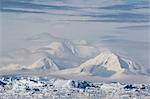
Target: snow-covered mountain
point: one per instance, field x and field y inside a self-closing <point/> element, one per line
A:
<point x="106" y="64"/>
<point x="44" y="64"/>
<point x="65" y="52"/>
<point x="110" y="62"/>
<point x="58" y="49"/>
<point x="62" y="56"/>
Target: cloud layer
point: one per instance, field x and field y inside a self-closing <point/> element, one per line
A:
<point x="96" y="11"/>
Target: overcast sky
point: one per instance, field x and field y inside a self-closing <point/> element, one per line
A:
<point x="76" y="19"/>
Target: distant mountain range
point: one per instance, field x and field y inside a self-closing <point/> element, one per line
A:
<point x="62" y="56"/>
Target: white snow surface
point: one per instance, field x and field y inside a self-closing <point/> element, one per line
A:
<point x="25" y="87"/>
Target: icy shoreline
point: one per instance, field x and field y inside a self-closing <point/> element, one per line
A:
<point x="20" y="87"/>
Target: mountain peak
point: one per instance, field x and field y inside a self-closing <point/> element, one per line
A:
<point x="106" y="59"/>
<point x="108" y="63"/>
<point x="45" y="63"/>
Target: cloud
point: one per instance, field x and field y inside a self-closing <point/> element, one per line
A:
<point x="31" y="5"/>
<point x="122" y="12"/>
<point x="136" y="27"/>
<point x="20" y="11"/>
<point x="117" y="17"/>
<point x="128" y="6"/>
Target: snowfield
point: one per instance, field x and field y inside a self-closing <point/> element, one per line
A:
<point x="25" y="87"/>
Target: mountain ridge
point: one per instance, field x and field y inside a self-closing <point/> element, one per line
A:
<point x="105" y="64"/>
<point x="46" y="64"/>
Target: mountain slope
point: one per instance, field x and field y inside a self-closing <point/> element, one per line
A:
<point x="111" y="62"/>
<point x="44" y="64"/>
<point x="106" y="64"/>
